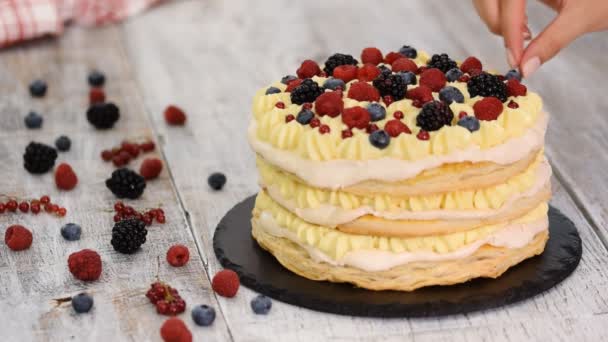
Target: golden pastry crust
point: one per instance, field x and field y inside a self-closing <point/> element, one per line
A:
<point x="488" y="261"/>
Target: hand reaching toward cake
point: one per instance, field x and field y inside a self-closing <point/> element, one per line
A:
<point x="508" y="19"/>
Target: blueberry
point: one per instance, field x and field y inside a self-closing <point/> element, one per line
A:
<point x="288" y="78"/>
<point x="451" y="94"/>
<point x="469" y="122"/>
<point x="203" y="315"/>
<point x="408" y="51"/>
<point x="216" y="181"/>
<point x="96" y="78"/>
<point x="261" y="305"/>
<point x="272" y="90"/>
<point x="376" y="111"/>
<point x="71" y="231"/>
<point x="38" y="88"/>
<point x="33" y="120"/>
<point x="333" y="83"/>
<point x="513" y="73"/>
<point x="82" y="303"/>
<point x="63" y="143"/>
<point x="305" y="116"/>
<point x="453" y="74"/>
<point x="408" y="77"/>
<point x="379" y="139"/>
<point x="384" y="69"/>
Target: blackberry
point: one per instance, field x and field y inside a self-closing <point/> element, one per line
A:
<point x="336" y="60"/>
<point x="434" y="115"/>
<point x="39" y="158"/>
<point x="391" y="84"/>
<point x="442" y="62"/>
<point x="128" y="235"/>
<point x="307" y="91"/>
<point x="126" y="183"/>
<point x="103" y="115"/>
<point x="486" y="85"/>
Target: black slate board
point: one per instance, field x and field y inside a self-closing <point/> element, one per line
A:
<point x="259" y="270"/>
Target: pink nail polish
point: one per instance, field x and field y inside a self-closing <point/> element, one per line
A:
<point x="510" y="58"/>
<point x="530" y="66"/>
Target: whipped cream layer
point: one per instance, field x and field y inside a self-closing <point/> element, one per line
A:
<point x="512" y="236"/>
<point x="340" y="173"/>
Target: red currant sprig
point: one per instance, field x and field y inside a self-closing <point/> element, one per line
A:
<point x="125" y="212"/>
<point x="127" y="151"/>
<point x="34" y="205"/>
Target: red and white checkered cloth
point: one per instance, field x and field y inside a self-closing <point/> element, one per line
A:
<point x="21" y="20"/>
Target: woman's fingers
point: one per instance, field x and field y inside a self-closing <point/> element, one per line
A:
<point x="513" y="28"/>
<point x="489" y="11"/>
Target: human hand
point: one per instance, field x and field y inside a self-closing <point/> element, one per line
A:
<point x="508" y="19"/>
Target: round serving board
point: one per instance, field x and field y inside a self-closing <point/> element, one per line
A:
<point x="258" y="270"/>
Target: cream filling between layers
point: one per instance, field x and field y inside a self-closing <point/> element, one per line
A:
<point x="337" y="174"/>
<point x="512" y="236"/>
<point x="331" y="216"/>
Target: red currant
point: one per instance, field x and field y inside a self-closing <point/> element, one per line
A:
<point x="462" y="115"/>
<point x="62" y="212"/>
<point x="119" y="206"/>
<point x="48" y="208"/>
<point x="280" y="105"/>
<point x="35" y="208"/>
<point x="12" y="205"/>
<point x="289" y="118"/>
<point x="159" y="211"/>
<point x="106" y="155"/>
<point x="2" y="208"/>
<point x="307" y="105"/>
<point x="371" y="128"/>
<point x="45" y="199"/>
<point x="147" y="219"/>
<point x="513" y="105"/>
<point x="24" y="207"/>
<point x="388" y="100"/>
<point x="315" y="123"/>
<point x="347" y="133"/>
<point x="147" y="146"/>
<point x="117" y="218"/>
<point x="324" y="129"/>
<point x="160" y="218"/>
<point x="423" y="135"/>
<point x="129" y="210"/>
<point x="398" y="115"/>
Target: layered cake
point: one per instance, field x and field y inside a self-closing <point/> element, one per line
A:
<point x="400" y="171"/>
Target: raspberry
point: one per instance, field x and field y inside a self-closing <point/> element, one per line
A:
<point x="178" y="255"/>
<point x="368" y="72"/>
<point x="363" y="91"/>
<point x="293" y="84"/>
<point x="346" y="73"/>
<point x="471" y="63"/>
<point x="65" y="177"/>
<point x="166" y="299"/>
<point x="433" y="78"/>
<point x="356" y="117"/>
<point x="371" y="55"/>
<point x="174" y="330"/>
<point x="226" y="283"/>
<point x="308" y="69"/>
<point x="18" y="238"/>
<point x="422" y="94"/>
<point x="96" y="95"/>
<point x="396" y="127"/>
<point x="85" y="265"/>
<point x="174" y="115"/>
<point x="329" y="103"/>
<point x="515" y="88"/>
<point x="392" y="56"/>
<point x="488" y="108"/>
<point x="404" y="64"/>
<point x="151" y="168"/>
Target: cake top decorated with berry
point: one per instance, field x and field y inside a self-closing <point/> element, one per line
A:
<point x="391" y="116"/>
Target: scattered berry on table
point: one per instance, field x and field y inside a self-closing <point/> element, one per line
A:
<point x="261" y="305"/>
<point x="24" y="207"/>
<point x="82" y="303"/>
<point x="39" y="158"/>
<point x="376" y="111"/>
<point x="433" y="78"/>
<point x="371" y="55"/>
<point x="85" y="265"/>
<point x="451" y="94"/>
<point x="434" y="115"/>
<point x="488" y="108"/>
<point x="38" y="88"/>
<point x="390" y="84"/>
<point x="334" y="83"/>
<point x="96" y="95"/>
<point x="216" y="180"/>
<point x="166" y="299"/>
<point x="272" y="90"/>
<point x="286" y="79"/>
<point x="336" y="60"/>
<point x="175" y="330"/>
<point x="174" y="115"/>
<point x="12" y="205"/>
<point x="395" y="127"/>
<point x="486" y="85"/>
<point x="469" y="122"/>
<point x="226" y="283"/>
<point x="63" y="143"/>
<point x="71" y="231"/>
<point x="379" y="139"/>
<point x="513" y="74"/>
<point x="408" y="51"/>
<point x="515" y="88"/>
<point x="18" y="238"/>
<point x="103" y="115"/>
<point x="65" y="177"/>
<point x="453" y="74"/>
<point x="363" y="91"/>
<point x="470" y="64"/>
<point x="126" y="151"/>
<point x="128" y="235"/>
<point x="441" y="62"/>
<point x="308" y="69"/>
<point x="147" y="146"/>
<point x="124" y="212"/>
<point x="307" y="91"/>
<point x="409" y="78"/>
<point x="404" y="65"/>
<point x="356" y="117"/>
<point x="151" y="168"/>
<point x="96" y="78"/>
<point x="178" y="255"/>
<point x="346" y="73"/>
<point x="33" y="120"/>
<point x="203" y="315"/>
<point x="329" y="103"/>
<point x="125" y="183"/>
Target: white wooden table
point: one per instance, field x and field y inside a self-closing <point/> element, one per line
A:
<point x="209" y="57"/>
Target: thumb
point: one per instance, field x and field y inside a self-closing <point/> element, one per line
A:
<point x="557" y="35"/>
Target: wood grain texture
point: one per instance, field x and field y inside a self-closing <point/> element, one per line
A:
<point x="217" y="54"/>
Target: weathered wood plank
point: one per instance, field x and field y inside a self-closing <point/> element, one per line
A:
<point x="214" y="58"/>
<point x="30" y="280"/>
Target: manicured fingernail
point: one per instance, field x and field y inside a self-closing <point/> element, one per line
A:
<point x="510" y="58"/>
<point x="530" y="66"/>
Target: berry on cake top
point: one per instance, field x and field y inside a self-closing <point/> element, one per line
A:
<point x="404" y="104"/>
